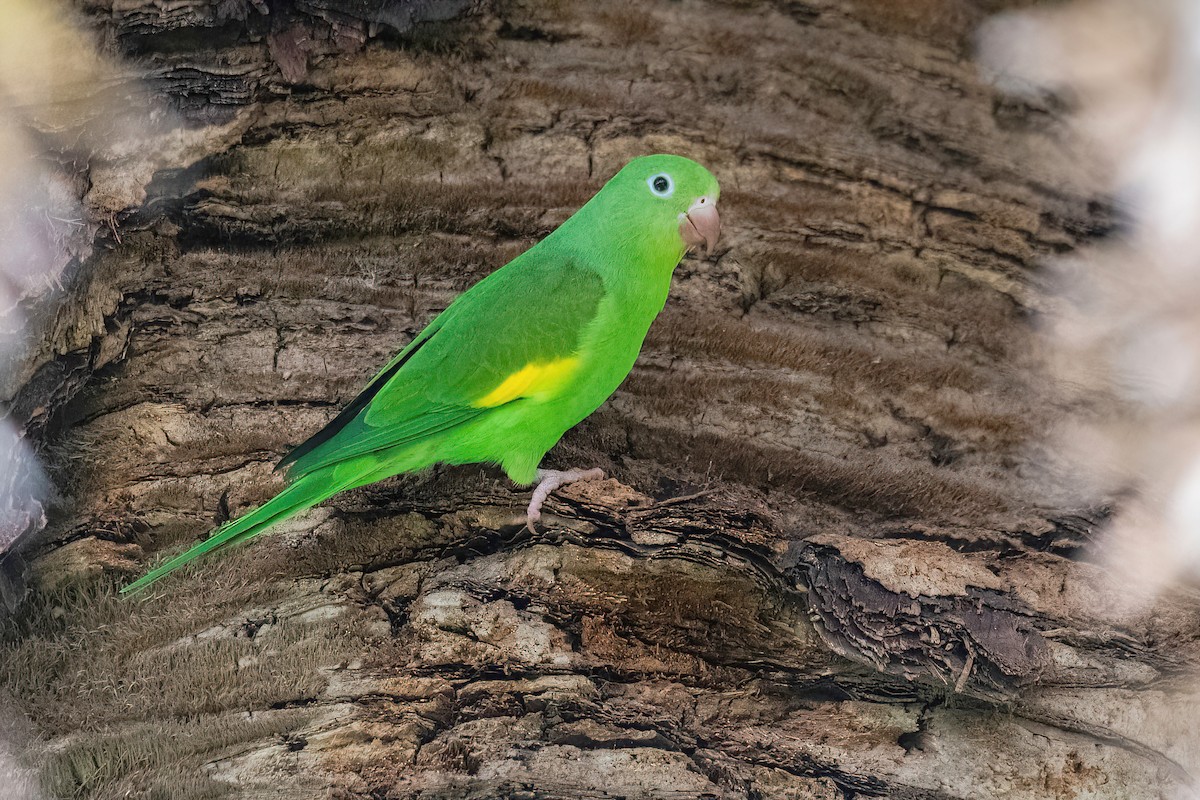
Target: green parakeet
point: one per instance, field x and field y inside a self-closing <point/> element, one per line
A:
<point x="516" y="360"/>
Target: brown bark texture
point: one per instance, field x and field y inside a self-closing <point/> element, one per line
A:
<point x="839" y="556"/>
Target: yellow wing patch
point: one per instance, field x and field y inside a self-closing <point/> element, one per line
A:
<point x="529" y="380"/>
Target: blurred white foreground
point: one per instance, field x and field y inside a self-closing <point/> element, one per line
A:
<point x="80" y="137"/>
<point x="44" y="65"/>
<point x="1130" y="71"/>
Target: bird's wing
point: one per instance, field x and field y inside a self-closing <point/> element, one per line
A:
<point x="515" y="334"/>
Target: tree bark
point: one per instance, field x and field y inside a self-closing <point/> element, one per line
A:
<point x="839" y="557"/>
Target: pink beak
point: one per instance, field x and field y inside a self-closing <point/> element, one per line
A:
<point x="701" y="225"/>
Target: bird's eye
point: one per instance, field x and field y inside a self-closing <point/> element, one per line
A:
<point x="661" y="184"/>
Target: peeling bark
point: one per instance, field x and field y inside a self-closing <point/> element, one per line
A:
<point x="839" y="557"/>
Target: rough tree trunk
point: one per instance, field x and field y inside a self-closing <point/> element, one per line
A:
<point x="839" y="556"/>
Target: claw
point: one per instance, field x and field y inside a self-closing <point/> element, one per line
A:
<point x="548" y="481"/>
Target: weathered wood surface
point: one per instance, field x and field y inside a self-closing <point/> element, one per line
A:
<point x="839" y="557"/>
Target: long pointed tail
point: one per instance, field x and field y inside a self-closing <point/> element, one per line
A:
<point x="304" y="493"/>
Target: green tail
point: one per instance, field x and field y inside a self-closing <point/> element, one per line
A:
<point x="304" y="493"/>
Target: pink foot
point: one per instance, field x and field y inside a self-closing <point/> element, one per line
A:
<point x="548" y="481"/>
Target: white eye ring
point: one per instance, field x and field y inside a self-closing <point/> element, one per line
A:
<point x="661" y="185"/>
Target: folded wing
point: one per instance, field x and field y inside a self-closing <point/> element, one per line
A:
<point x="514" y="334"/>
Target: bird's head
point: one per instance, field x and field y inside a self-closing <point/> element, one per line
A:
<point x="662" y="204"/>
<point x="673" y="198"/>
